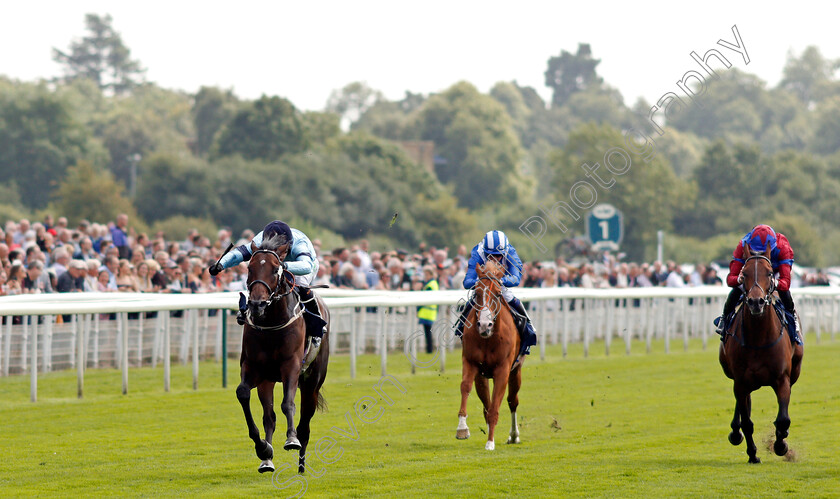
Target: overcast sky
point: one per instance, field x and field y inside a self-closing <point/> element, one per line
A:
<point x="303" y="50"/>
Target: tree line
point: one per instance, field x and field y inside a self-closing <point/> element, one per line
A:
<point x="83" y="143"/>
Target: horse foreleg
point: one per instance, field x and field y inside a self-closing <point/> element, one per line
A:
<point x="243" y="394"/>
<point x="290" y="384"/>
<point x="482" y="389"/>
<point x="468" y="373"/>
<point x="265" y="391"/>
<point x="514" y="382"/>
<point x="500" y="381"/>
<point x="782" y="422"/>
<point x="744" y="402"/>
<point x="735" y="437"/>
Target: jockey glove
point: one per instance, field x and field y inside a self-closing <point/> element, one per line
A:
<point x="215" y="268"/>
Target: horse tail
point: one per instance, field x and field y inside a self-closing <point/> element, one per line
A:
<point x="321" y="405"/>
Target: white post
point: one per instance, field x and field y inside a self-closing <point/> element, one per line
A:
<point x="647" y="306"/>
<point x="566" y="312"/>
<point x="124" y="352"/>
<point x="543" y="304"/>
<point x="80" y="355"/>
<point x="47" y="347"/>
<point x="156" y="341"/>
<point x="167" y="353"/>
<point x="628" y="325"/>
<point x="33" y="381"/>
<point x="7" y="348"/>
<point x="74" y="332"/>
<point x="194" y="324"/>
<point x="819" y="317"/>
<point x="610" y="304"/>
<point x="353" y="318"/>
<point x="587" y="313"/>
<point x="95" y="340"/>
<point x="382" y="314"/>
<point x="140" y="339"/>
<point x="685" y="308"/>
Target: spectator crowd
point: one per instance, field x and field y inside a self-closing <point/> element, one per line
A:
<point x="50" y="256"/>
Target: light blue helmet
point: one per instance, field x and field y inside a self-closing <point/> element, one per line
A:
<point x="495" y="242"/>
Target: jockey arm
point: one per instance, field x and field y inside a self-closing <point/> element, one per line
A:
<point x="471" y="277"/>
<point x="240" y="254"/>
<point x="513" y="266"/>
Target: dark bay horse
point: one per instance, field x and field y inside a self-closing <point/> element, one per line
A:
<point x="489" y="348"/>
<point x="272" y="351"/>
<point x="758" y="352"/>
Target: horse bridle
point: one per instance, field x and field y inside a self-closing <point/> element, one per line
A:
<point x="280" y="274"/>
<point x="772" y="287"/>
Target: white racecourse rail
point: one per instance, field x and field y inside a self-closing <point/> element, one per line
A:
<point x="125" y="330"/>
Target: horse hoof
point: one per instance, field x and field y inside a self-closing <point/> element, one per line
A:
<point x="462" y="434"/>
<point x="513" y="440"/>
<point x="780" y="447"/>
<point x="292" y="443"/>
<point x="754" y="460"/>
<point x="491" y="445"/>
<point x="266" y="466"/>
<point x="735" y="438"/>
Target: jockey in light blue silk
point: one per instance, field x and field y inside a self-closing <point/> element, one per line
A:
<point x="297" y="255"/>
<point x="495" y="245"/>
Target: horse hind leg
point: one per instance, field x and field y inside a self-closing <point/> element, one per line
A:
<point x="782" y="422"/>
<point x="308" y="404"/>
<point x="513" y="402"/>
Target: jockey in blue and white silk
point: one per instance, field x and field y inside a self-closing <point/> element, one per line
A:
<point x="495" y="245"/>
<point x="300" y="259"/>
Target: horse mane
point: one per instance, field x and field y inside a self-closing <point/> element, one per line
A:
<point x="274" y="242"/>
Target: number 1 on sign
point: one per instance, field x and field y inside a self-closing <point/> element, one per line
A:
<point x="605" y="229"/>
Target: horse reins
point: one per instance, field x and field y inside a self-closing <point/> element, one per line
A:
<point x="281" y="276"/>
<point x="767" y="301"/>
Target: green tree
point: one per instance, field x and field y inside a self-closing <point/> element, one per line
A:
<point x="475" y="137"/>
<point x="807" y="76"/>
<point x="102" y="57"/>
<point x="826" y="138"/>
<point x="86" y="193"/>
<point x="352" y="101"/>
<point x="321" y="127"/>
<point x="266" y="129"/>
<point x="172" y="185"/>
<point x="39" y="140"/>
<point x="648" y="193"/>
<point x="212" y="110"/>
<point x="570" y="73"/>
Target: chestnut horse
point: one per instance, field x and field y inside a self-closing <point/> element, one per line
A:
<point x="489" y="348"/>
<point x="759" y="353"/>
<point x="272" y="351"/>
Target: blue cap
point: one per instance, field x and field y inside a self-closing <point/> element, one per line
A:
<point x="277" y="228"/>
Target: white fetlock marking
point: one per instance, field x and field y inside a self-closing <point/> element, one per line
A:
<point x="490" y="445"/>
<point x="462" y="423"/>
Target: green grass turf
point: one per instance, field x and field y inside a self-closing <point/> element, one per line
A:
<point x="643" y="425"/>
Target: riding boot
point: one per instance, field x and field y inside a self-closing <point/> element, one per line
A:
<point x="731" y="301"/>
<point x="316" y="326"/>
<point x="529" y="336"/>
<point x="243" y="308"/>
<point x="787" y="301"/>
<point x="459" y="326"/>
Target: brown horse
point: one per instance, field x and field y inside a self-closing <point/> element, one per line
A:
<point x="272" y="351"/>
<point x="759" y="353"/>
<point x="489" y="348"/>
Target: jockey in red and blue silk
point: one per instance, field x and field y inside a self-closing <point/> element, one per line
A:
<point x="781" y="258"/>
<point x="495" y="246"/>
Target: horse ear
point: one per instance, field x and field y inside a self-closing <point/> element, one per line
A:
<point x="768" y="250"/>
<point x="747" y="251"/>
